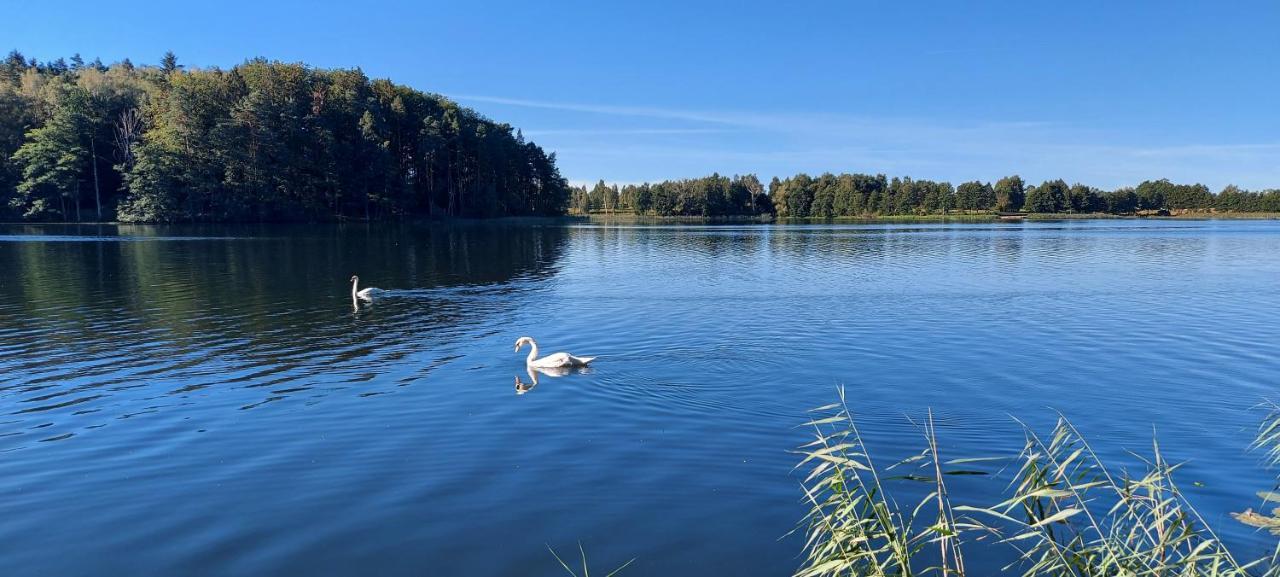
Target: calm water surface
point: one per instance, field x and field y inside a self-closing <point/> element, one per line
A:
<point x="205" y="401"/>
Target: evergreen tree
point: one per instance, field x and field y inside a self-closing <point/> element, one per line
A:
<point x="51" y="161"/>
<point x="1051" y="196"/>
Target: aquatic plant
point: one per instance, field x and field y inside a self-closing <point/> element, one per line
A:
<point x="1267" y="441"/>
<point x="1070" y="515"/>
<point x="586" y="572"/>
<point x="1067" y="513"/>
<point x="854" y="525"/>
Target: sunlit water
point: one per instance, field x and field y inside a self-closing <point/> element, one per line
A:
<point x="205" y="401"/>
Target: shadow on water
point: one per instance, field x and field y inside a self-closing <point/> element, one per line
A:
<point x="98" y="318"/>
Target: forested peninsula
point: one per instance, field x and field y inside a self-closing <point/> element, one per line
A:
<point x="270" y="141"/>
<point x="261" y="141"/>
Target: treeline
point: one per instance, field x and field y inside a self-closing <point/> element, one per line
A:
<point x="270" y="141"/>
<point x="262" y="141"/>
<point x="865" y="195"/>
<point x="713" y="195"/>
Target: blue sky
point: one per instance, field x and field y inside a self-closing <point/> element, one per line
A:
<point x="1106" y="93"/>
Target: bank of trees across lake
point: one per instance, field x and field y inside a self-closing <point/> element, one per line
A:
<point x="865" y="195"/>
<point x="270" y="141"/>
<point x="713" y="195"/>
<point x="263" y="141"/>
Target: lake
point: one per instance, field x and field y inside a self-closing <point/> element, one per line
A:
<point x="206" y="401"/>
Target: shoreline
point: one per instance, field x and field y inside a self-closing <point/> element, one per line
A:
<point x="959" y="218"/>
<point x="737" y="219"/>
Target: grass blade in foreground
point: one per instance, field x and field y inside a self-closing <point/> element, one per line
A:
<point x="585" y="570"/>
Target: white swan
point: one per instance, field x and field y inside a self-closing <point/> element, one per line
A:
<point x="552" y="361"/>
<point x="366" y="294"/>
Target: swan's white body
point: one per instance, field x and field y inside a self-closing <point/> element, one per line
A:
<point x="365" y="294"/>
<point x="552" y="361"/>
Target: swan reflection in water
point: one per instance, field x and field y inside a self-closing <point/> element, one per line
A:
<point x="554" y="372"/>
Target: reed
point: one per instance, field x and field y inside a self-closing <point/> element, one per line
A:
<point x="1267" y="441"/>
<point x="854" y="525"/>
<point x="1066" y="513"/>
<point x="1069" y="515"/>
<point x="586" y="572"/>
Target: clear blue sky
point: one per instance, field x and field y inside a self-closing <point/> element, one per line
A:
<point x="1106" y="93"/>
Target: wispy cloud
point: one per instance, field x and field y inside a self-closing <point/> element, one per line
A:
<point x="784" y="142"/>
<point x="623" y="131"/>
<point x="642" y="111"/>
<point x="770" y="120"/>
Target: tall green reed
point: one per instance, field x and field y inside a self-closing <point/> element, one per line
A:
<point x="1070" y="515"/>
<point x="854" y="525"/>
<point x="1067" y="514"/>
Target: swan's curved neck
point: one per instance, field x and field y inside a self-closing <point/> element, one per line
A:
<point x="533" y="351"/>
<point x="354" y="282"/>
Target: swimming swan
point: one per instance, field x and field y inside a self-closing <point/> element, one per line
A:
<point x="552" y="361"/>
<point x="366" y="294"/>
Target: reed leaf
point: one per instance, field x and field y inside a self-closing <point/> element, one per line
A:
<point x="1066" y="515"/>
<point x="586" y="572"/>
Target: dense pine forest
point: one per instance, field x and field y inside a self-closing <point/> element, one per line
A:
<point x="262" y="141"/>
<point x="865" y="195"/>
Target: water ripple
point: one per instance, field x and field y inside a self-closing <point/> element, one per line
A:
<point x="219" y="383"/>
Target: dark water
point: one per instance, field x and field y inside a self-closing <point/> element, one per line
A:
<point x="183" y="401"/>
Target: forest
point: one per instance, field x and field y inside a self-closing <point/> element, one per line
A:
<point x="714" y="195"/>
<point x="261" y="141"/>
<point x="270" y="141"/>
<point x="865" y="195"/>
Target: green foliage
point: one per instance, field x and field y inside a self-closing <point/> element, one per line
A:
<point x="1235" y="199"/>
<point x="272" y="141"/>
<point x="50" y="162"/>
<point x="1011" y="193"/>
<point x="975" y="196"/>
<point x="714" y="195"/>
<point x="17" y="116"/>
<point x="1051" y="196"/>
<point x="863" y="195"/>
<point x="1162" y="194"/>
<point x="844" y="195"/>
<point x="855" y="195"/>
<point x="602" y="197"/>
<point x="1068" y="515"/>
<point x="1268" y="437"/>
<point x="854" y="525"/>
<point x="1085" y="199"/>
<point x="53" y="157"/>
<point x="1122" y="201"/>
<point x="261" y="141"/>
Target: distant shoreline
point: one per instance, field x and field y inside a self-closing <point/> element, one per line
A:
<point x="637" y="218"/>
<point x="990" y="217"/>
